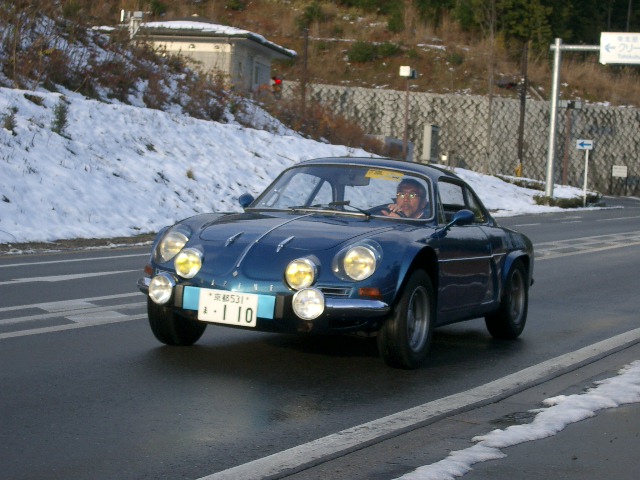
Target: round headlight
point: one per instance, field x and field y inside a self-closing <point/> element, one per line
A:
<point x="161" y="288"/>
<point x="171" y="244"/>
<point x="300" y="273"/>
<point x="359" y="263"/>
<point x="188" y="262"/>
<point x="308" y="304"/>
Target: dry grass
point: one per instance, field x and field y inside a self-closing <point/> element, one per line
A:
<point x="447" y="59"/>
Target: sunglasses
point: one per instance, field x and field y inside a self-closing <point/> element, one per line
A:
<point x="411" y="195"/>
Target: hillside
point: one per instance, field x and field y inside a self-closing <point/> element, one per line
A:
<point x="356" y="46"/>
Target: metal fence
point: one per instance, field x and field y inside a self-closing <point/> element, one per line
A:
<point x="465" y="136"/>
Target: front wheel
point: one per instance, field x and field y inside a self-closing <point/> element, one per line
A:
<point x="171" y="329"/>
<point x="508" y="321"/>
<point x="405" y="337"/>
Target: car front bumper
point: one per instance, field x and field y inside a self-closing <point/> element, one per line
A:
<point x="340" y="314"/>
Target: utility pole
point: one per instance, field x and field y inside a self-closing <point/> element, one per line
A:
<point x="303" y="86"/>
<point x="523" y="107"/>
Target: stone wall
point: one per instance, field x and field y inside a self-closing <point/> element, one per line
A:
<point x="463" y="133"/>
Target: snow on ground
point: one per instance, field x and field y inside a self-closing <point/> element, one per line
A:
<point x="560" y="412"/>
<point x="118" y="170"/>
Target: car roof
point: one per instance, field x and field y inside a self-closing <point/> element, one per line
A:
<point x="432" y="171"/>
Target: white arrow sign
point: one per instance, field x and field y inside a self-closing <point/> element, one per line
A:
<point x="584" y="144"/>
<point x="622" y="47"/>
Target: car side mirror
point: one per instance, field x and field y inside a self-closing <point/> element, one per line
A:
<point x="461" y="218"/>
<point x="245" y="200"/>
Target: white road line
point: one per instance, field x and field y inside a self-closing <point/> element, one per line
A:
<point x="73" y="326"/>
<point x="61" y="278"/>
<point x="332" y="446"/>
<point x="57" y="306"/>
<point x="71" y="260"/>
<point x="72" y="313"/>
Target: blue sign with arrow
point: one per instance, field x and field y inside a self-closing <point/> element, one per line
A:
<point x="584" y="144"/>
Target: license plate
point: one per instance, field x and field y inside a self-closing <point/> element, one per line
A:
<point x="240" y="309"/>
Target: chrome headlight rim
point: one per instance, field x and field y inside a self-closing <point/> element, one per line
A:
<point x="161" y="288"/>
<point x="360" y="262"/>
<point x="188" y="262"/>
<point x="172" y="242"/>
<point x="308" y="303"/>
<point x="309" y="269"/>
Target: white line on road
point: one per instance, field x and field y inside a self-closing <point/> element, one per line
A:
<point x="72" y="314"/>
<point x="62" y="304"/>
<point x="332" y="446"/>
<point x="70" y="260"/>
<point x="61" y="278"/>
<point x="73" y="326"/>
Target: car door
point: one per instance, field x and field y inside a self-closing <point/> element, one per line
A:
<point x="466" y="272"/>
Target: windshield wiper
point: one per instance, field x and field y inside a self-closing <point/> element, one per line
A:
<point x="347" y="203"/>
<point x="332" y="206"/>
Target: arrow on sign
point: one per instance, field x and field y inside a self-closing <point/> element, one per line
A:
<point x="584" y="144"/>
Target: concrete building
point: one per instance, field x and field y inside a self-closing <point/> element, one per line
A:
<point x="242" y="57"/>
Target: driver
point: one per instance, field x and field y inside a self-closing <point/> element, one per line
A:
<point x="411" y="200"/>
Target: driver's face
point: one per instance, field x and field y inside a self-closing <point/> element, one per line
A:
<point x="411" y="201"/>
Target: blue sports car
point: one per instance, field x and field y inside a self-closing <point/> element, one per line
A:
<point x="380" y="247"/>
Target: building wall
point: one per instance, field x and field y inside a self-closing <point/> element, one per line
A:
<point x="468" y="139"/>
<point x="246" y="66"/>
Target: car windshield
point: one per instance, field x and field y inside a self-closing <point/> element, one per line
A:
<point x="348" y="188"/>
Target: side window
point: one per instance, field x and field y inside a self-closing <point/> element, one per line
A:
<point x="475" y="206"/>
<point x="455" y="197"/>
<point x="451" y="200"/>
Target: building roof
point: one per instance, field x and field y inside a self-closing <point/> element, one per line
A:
<point x="205" y="28"/>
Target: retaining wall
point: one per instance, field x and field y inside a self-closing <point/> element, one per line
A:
<point x="466" y="139"/>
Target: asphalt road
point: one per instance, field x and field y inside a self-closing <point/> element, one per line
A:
<point x="88" y="393"/>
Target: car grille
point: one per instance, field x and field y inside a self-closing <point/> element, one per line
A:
<point x="340" y="292"/>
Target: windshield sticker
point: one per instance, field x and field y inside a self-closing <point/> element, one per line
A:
<point x="384" y="174"/>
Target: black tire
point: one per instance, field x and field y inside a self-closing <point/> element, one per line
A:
<point x="171" y="329"/>
<point x="509" y="320"/>
<point x="405" y="337"/>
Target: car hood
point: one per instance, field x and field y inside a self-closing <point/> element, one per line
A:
<point x="253" y="238"/>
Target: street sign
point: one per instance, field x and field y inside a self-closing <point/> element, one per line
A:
<point x="584" y="144"/>
<point x="619" y="171"/>
<point x="620" y="47"/>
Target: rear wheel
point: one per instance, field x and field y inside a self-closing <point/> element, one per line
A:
<point x="508" y="321"/>
<point x="405" y="337"/>
<point x="171" y="329"/>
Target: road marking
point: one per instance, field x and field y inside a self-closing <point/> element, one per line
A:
<point x="82" y="311"/>
<point x="62" y="278"/>
<point x="71" y="313"/>
<point x="51" y="306"/>
<point x="71" y="260"/>
<point x="73" y="326"/>
<point x="332" y="446"/>
<point x="563" y="248"/>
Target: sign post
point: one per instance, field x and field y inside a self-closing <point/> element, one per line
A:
<point x="585" y="145"/>
<point x="622" y="47"/>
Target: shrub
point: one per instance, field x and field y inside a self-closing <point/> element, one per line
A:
<point x="362" y="52"/>
<point x="9" y="120"/>
<point x="60" y="117"/>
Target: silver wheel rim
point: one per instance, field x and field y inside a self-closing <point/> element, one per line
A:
<point x="418" y="313"/>
<point x="517" y="296"/>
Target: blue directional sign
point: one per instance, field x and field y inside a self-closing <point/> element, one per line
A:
<point x="584" y="144"/>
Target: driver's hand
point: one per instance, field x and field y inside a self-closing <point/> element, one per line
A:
<point x="393" y="210"/>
